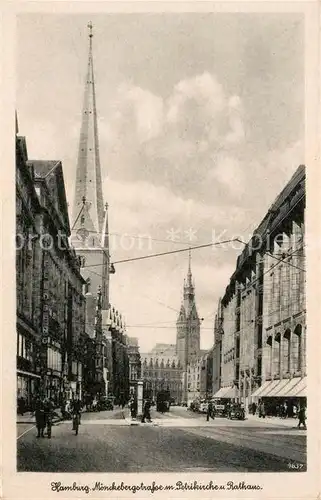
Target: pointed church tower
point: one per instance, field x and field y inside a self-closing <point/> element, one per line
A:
<point x="89" y="234"/>
<point x="188" y="322"/>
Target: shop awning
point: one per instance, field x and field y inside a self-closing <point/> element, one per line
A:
<point x="221" y="392"/>
<point x="262" y="389"/>
<point x="287" y="389"/>
<point x="278" y="387"/>
<point x="300" y="390"/>
<point x="29" y="374"/>
<point x="232" y="392"/>
<point x="269" y="390"/>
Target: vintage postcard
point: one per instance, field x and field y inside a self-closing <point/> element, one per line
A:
<point x="161" y="216"/>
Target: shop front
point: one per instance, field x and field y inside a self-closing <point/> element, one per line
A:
<point x="27" y="388"/>
<point x="282" y="397"/>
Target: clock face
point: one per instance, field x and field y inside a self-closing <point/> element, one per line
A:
<point x="82" y="233"/>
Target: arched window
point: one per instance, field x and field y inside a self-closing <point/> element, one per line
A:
<point x="287" y="351"/>
<point x="297" y="348"/>
<point x="269" y="343"/>
<point x="277" y="354"/>
<point x="87" y="286"/>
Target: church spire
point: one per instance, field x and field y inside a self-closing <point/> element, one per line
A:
<point x="189" y="272"/>
<point x="88" y="175"/>
<point x="188" y="283"/>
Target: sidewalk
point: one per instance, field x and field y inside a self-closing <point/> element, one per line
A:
<point x="29" y="418"/>
<point x="286" y="422"/>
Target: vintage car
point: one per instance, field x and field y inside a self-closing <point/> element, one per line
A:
<point x="236" y="411"/>
<point x="203" y="406"/>
<point x="105" y="403"/>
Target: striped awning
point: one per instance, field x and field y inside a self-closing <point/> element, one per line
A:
<point x="220" y="393"/>
<point x="261" y="390"/>
<point x="269" y="390"/>
<point x="300" y="390"/>
<point x="228" y="392"/>
<point x="232" y="392"/>
<point x="287" y="389"/>
<point x="278" y="387"/>
<point x="29" y="374"/>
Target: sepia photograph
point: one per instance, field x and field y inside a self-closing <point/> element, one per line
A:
<point x="160" y="211"/>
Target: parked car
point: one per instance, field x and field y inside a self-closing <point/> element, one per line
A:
<point x="236" y="411"/>
<point x="105" y="403"/>
<point x="194" y="406"/>
<point x="203" y="407"/>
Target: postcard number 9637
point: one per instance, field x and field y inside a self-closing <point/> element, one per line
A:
<point x="295" y="465"/>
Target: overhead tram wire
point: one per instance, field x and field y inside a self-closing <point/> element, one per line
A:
<point x="150" y="256"/>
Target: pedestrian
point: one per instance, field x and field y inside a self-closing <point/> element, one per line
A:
<point x="146" y="411"/>
<point x="253" y="408"/>
<point x="294" y="411"/>
<point x="133" y="408"/>
<point x="261" y="410"/>
<point x="40" y="417"/>
<point x="76" y="407"/>
<point x="209" y="412"/>
<point x="302" y="417"/>
<point x="48" y="415"/>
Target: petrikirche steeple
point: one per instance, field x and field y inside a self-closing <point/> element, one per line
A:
<point x="88" y="210"/>
<point x="89" y="233"/>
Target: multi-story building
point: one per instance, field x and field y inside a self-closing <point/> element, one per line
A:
<point x="283" y="323"/>
<point x="263" y="308"/>
<point x="116" y="359"/>
<point x="161" y="370"/>
<point x="134" y="363"/>
<point x="61" y="287"/>
<point x="198" y="377"/>
<point x="50" y="304"/>
<point x="217" y="349"/>
<point x="28" y="265"/>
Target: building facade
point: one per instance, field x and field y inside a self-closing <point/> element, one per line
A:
<point x="217" y="349"/>
<point x="50" y="304"/>
<point x="28" y="263"/>
<point x="134" y="363"/>
<point x="162" y="370"/>
<point x="263" y="308"/>
<point x="199" y="377"/>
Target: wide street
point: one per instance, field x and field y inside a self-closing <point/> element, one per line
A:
<point x="176" y="441"/>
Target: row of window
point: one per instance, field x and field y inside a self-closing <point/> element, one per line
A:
<point x="168" y="374"/>
<point x="285" y="351"/>
<point x="25" y="348"/>
<point x="54" y="361"/>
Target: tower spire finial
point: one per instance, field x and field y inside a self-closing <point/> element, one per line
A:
<point x="88" y="173"/>
<point x="90" y="28"/>
<point x="189" y="272"/>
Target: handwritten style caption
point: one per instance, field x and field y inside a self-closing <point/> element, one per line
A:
<point x="154" y="487"/>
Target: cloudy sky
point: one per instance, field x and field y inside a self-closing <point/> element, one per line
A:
<point x="201" y="123"/>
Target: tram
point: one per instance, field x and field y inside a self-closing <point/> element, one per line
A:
<point x="163" y="399"/>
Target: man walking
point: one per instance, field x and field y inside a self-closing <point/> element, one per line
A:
<point x="146" y="411"/>
<point x="210" y="411"/>
<point x="48" y="415"/>
<point x="40" y="417"/>
<point x="302" y="417"/>
<point x="76" y="409"/>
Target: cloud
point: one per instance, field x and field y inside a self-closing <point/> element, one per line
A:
<point x="173" y="142"/>
<point x="136" y="116"/>
<point x="203" y="113"/>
